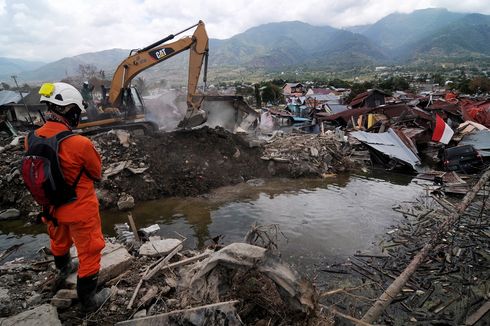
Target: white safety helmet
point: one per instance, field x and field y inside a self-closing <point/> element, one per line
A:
<point x="61" y="94"/>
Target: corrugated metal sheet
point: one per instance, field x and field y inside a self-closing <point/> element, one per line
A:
<point x="337" y="108"/>
<point x="480" y="140"/>
<point x="389" y="144"/>
<point x="7" y="97"/>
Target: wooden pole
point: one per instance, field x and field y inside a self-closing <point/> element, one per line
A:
<point x="133" y="227"/>
<point x="392" y="291"/>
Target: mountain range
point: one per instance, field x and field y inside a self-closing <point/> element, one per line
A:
<point x="429" y="34"/>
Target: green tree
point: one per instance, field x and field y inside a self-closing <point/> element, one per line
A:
<point x="438" y="79"/>
<point x="358" y="88"/>
<point x="463" y="85"/>
<point x="394" y="84"/>
<point x="339" y="83"/>
<point x="5" y="86"/>
<point x="479" y="85"/>
<point x="272" y="93"/>
<point x="258" y="98"/>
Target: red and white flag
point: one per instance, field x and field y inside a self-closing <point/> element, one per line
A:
<point x="442" y="132"/>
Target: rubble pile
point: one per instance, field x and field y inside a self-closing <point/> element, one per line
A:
<point x="13" y="193"/>
<point x="222" y="285"/>
<point x="180" y="163"/>
<point x="450" y="287"/>
<point x="307" y="155"/>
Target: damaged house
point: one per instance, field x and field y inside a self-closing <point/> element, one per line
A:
<point x="293" y="89"/>
<point x="369" y="99"/>
<point x="20" y="111"/>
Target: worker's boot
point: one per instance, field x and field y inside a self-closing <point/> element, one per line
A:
<point x="86" y="290"/>
<point x="65" y="267"/>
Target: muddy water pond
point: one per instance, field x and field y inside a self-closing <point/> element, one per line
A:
<point x="323" y="220"/>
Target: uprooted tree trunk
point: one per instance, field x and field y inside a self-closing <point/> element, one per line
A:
<point x="392" y="291"/>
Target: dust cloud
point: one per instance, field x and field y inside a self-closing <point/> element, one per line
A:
<point x="166" y="109"/>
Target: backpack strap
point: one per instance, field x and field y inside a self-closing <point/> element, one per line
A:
<point x="59" y="138"/>
<point x="63" y="135"/>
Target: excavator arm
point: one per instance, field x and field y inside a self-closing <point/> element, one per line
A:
<point x="157" y="52"/>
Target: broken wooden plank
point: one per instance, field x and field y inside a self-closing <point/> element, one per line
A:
<point x="149" y="295"/>
<point x="186" y="261"/>
<point x="392" y="291"/>
<point x="136" y="290"/>
<point x="133" y="227"/>
<point x="163" y="262"/>
<point x="475" y="317"/>
<point x="162" y="319"/>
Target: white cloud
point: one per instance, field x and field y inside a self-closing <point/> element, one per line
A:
<point x="51" y="29"/>
<point x="3" y="5"/>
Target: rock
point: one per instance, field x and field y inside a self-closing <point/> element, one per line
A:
<point x="9" y="214"/>
<point x="115" y="261"/>
<point x="105" y="197"/>
<point x="4" y="294"/>
<point x="237" y="154"/>
<point x="172" y="302"/>
<point x="61" y="303"/>
<point x="125" y="202"/>
<point x="42" y="315"/>
<point x="149" y="230"/>
<point x="4" y="310"/>
<point x="256" y="182"/>
<point x="66" y="294"/>
<point x="159" y="247"/>
<point x="11" y="176"/>
<point x="314" y="151"/>
<point x="140" y="314"/>
<point x="34" y="299"/>
<point x="123" y="137"/>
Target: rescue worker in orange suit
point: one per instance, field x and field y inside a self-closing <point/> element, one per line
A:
<point x="78" y="222"/>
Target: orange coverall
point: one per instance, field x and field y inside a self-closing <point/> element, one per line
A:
<point x="78" y="221"/>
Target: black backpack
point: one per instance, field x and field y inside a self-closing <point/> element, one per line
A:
<point x="42" y="172"/>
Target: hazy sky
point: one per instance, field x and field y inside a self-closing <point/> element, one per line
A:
<point x="47" y="30"/>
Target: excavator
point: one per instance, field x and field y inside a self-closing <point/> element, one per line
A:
<point x="123" y="107"/>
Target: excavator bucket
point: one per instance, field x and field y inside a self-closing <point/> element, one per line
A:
<point x="193" y="118"/>
<point x="229" y="112"/>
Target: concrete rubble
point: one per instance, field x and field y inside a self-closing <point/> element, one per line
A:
<point x="231" y="285"/>
<point x="115" y="261"/>
<point x="40" y="316"/>
<point x="159" y="281"/>
<point x="157" y="246"/>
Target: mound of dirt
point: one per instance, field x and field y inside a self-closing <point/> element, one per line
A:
<point x="180" y="163"/>
<point x="183" y="163"/>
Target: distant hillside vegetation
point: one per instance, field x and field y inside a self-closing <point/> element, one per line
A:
<point x="9" y="66"/>
<point x="421" y="36"/>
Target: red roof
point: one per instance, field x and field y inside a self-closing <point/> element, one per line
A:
<point x="359" y="98"/>
<point x="322" y="91"/>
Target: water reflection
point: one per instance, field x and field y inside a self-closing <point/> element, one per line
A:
<point x="323" y="219"/>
